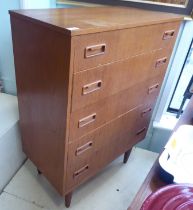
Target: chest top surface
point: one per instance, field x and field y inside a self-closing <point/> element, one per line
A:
<point x="77" y="21"/>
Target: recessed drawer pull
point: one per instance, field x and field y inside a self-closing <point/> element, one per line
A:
<point x="168" y="34"/>
<point x="153" y="88"/>
<point x="80" y="171"/>
<point x="146" y="111"/>
<point x="83" y="148"/>
<point x="89" y="88"/>
<point x="161" y="62"/>
<point x="95" y="50"/>
<point x="87" y="120"/>
<point x="141" y="131"/>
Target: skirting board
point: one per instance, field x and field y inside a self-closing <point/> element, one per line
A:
<point x="11" y="155"/>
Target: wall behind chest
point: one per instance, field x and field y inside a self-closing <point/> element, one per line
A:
<point x="7" y="71"/>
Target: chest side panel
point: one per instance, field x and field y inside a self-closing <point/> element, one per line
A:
<point x="42" y="61"/>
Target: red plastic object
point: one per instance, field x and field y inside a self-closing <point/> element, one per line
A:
<point x="171" y="197"/>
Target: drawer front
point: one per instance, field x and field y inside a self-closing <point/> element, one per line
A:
<point x="93" y="85"/>
<point x="92" y="152"/>
<point x="92" y="116"/>
<point x="97" y="49"/>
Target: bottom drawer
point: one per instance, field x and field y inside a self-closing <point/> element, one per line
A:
<point x="90" y="153"/>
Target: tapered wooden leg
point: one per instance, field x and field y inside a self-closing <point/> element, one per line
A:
<point x="68" y="199"/>
<point x="126" y="156"/>
<point x="39" y="172"/>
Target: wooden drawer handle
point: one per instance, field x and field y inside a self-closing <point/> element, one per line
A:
<point x="80" y="171"/>
<point x="153" y="88"/>
<point x="141" y="131"/>
<point x="83" y="148"/>
<point x="161" y="62"/>
<point x="89" y="88"/>
<point x="146" y="111"/>
<point x="87" y="120"/>
<point x="168" y="34"/>
<point x="95" y="50"/>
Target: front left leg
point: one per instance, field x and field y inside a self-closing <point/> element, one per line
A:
<point x="68" y="199"/>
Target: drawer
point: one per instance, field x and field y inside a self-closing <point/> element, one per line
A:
<point x="93" y="85"/>
<point x="92" y="116"/>
<point x="90" y="153"/>
<point x="97" y="49"/>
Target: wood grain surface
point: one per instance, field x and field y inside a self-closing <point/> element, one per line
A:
<point x="42" y="76"/>
<point x="117" y="77"/>
<point x="76" y="21"/>
<point x="123" y="44"/>
<point x="113" y="106"/>
<point x="108" y="142"/>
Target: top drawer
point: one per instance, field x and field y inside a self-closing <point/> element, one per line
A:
<point x="96" y="49"/>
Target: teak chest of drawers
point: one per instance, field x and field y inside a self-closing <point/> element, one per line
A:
<point x="87" y="82"/>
